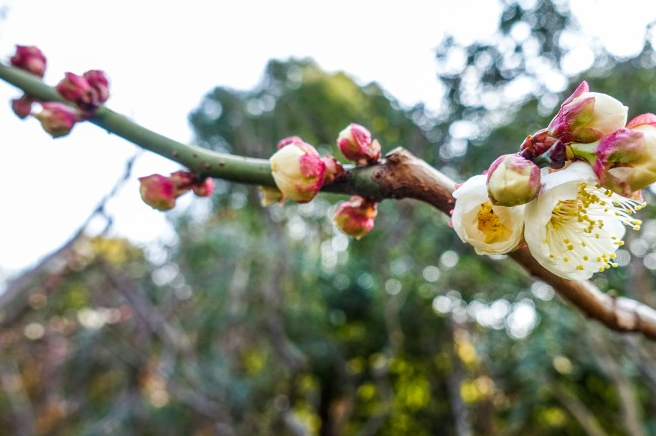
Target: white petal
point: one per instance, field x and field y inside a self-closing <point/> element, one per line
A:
<point x="470" y="197"/>
<point x="574" y="228"/>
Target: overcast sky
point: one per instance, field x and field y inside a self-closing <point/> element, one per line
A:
<point x="162" y="57"/>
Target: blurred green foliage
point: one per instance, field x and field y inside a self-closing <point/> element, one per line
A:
<point x="269" y="321"/>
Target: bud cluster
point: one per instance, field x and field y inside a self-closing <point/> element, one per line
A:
<point x="32" y="60"/>
<point x="589" y="126"/>
<point x="86" y="93"/>
<point x="300" y="172"/>
<point x="571" y="213"/>
<point x="161" y="192"/>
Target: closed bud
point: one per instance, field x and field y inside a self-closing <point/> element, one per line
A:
<point x="76" y="89"/>
<point x="587" y="117"/>
<point x="355" y="217"/>
<point x="57" y="118"/>
<point x="97" y="79"/>
<point x="512" y="180"/>
<point x="204" y="188"/>
<point x="22" y="107"/>
<point x="625" y="161"/>
<point x="158" y="191"/>
<point x="356" y="144"/>
<point x="29" y="58"/>
<point x="297" y="169"/>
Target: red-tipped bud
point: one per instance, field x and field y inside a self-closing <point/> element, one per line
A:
<point x="625" y="161"/>
<point x="512" y="180"/>
<point x="334" y="169"/>
<point x="204" y="188"/>
<point x="586" y="117"/>
<point x="22" y="107"/>
<point x="97" y="79"/>
<point x="355" y="217"/>
<point x="356" y="144"/>
<point x="297" y="169"/>
<point x="57" y="118"/>
<point x="76" y="89"/>
<point x="158" y="192"/>
<point x="29" y="58"/>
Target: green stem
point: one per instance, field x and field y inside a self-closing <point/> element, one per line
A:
<point x="199" y="160"/>
<point x="204" y="162"/>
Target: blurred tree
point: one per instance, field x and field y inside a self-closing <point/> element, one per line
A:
<point x="269" y="321"/>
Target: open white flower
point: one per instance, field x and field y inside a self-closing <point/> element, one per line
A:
<point x="575" y="227"/>
<point x="488" y="228"/>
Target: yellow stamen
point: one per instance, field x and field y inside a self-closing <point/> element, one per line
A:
<point x="490" y="224"/>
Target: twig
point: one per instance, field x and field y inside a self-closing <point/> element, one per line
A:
<point x="19" y="400"/>
<point x="629" y="406"/>
<point x="52" y="263"/>
<point x="173" y="338"/>
<point x="578" y="409"/>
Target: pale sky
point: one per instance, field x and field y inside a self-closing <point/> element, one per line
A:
<point x="162" y="57"/>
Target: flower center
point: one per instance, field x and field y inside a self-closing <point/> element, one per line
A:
<point x="490" y="224"/>
<point x="581" y="231"/>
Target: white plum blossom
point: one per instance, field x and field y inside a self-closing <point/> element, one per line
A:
<point x="490" y="229"/>
<point x="575" y="226"/>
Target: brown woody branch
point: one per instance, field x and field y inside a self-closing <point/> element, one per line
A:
<point x="402" y="175"/>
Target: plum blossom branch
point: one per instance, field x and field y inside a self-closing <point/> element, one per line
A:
<point x="399" y="175"/>
<point x="617" y="313"/>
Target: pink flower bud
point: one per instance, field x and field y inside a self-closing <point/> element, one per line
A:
<point x="512" y="180"/>
<point x="204" y="188"/>
<point x="586" y="117"/>
<point x="626" y="159"/>
<point x="22" y="107"/>
<point x="355" y="217"/>
<point x="297" y="169"/>
<point x="29" y="58"/>
<point x="356" y="144"/>
<point x="76" y="89"/>
<point x="97" y="79"/>
<point x="57" y="118"/>
<point x="334" y="169"/>
<point x="88" y="92"/>
<point x="158" y="191"/>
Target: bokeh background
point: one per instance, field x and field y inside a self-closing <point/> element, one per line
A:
<point x="223" y="317"/>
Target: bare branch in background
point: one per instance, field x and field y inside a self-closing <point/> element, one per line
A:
<point x="15" y="391"/>
<point x="53" y="263"/>
<point x="578" y="409"/>
<point x="608" y="363"/>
